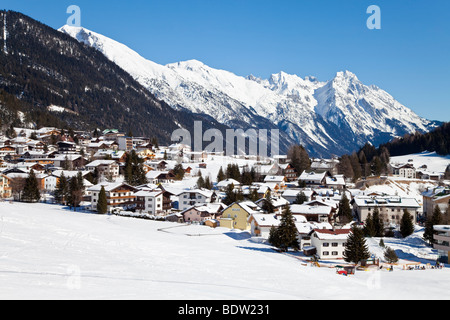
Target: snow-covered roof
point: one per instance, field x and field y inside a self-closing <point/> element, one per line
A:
<point x="338" y="234"/>
<point x="389" y="201"/>
<point x="306" y="209"/>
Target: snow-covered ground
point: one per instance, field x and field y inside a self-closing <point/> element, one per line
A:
<point x="47" y="252"/>
<point x="432" y="160"/>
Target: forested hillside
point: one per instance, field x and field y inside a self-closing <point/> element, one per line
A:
<point x="41" y="67"/>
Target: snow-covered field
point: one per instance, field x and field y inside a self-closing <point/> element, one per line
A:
<point x="47" y="252"/>
<point x="432" y="160"/>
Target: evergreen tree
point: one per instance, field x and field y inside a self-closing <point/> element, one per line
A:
<point x="208" y="183"/>
<point x="178" y="171"/>
<point x="253" y="195"/>
<point x="75" y="191"/>
<point x="273" y="237"/>
<point x="345" y="212"/>
<point x="369" y="227"/>
<point x="406" y="224"/>
<point x="200" y="182"/>
<point x="356" y="248"/>
<point x="221" y="175"/>
<point x="102" y="204"/>
<point x="301" y="198"/>
<point x="31" y="191"/>
<point x="435" y="219"/>
<point x="267" y="204"/>
<point x="286" y="233"/>
<point x="134" y="173"/>
<point x="299" y="158"/>
<point x="62" y="190"/>
<point x="390" y="256"/>
<point x="378" y="223"/>
<point x="230" y="195"/>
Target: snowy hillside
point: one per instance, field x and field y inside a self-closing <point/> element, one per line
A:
<point x="335" y="116"/>
<point x="47" y="252"/>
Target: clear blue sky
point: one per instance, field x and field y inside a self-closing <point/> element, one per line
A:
<point x="409" y="57"/>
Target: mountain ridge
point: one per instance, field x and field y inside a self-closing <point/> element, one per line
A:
<point x="327" y="117"/>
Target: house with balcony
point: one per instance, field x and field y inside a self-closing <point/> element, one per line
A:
<point x="193" y="197"/>
<point x="106" y="168"/>
<point x="118" y="195"/>
<point x="433" y="197"/>
<point x="442" y="245"/>
<point x="5" y="187"/>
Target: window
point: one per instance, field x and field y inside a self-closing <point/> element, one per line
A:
<point x="326" y="244"/>
<point x="326" y="253"/>
<point x="334" y="253"/>
<point x="334" y="244"/>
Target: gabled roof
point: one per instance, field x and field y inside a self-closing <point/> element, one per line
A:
<point x="338" y="234"/>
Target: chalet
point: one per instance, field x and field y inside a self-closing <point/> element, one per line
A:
<point x="261" y="223"/>
<point x="118" y="195"/>
<point x="69" y="161"/>
<point x="291" y="194"/>
<point x="433" y="197"/>
<point x="5" y="186"/>
<point x="325" y="165"/>
<point x="150" y="202"/>
<point x="194" y="197"/>
<point x="276" y="183"/>
<point x="66" y="147"/>
<point x="157" y="177"/>
<point x="6" y="150"/>
<point x="237" y="214"/>
<point x="289" y="172"/>
<point x="336" y="182"/>
<point x="313" y="179"/>
<point x="202" y="212"/>
<point x="404" y="171"/>
<point x="106" y="168"/>
<point x="330" y="244"/>
<point x="223" y="185"/>
<point x="316" y="213"/>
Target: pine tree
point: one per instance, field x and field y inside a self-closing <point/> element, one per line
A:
<point x="345" y="212"/>
<point x="62" y="189"/>
<point x="301" y="198"/>
<point x="356" y="248"/>
<point x="31" y="191"/>
<point x="369" y="228"/>
<point x="221" y="175"/>
<point x="273" y="237"/>
<point x="75" y="191"/>
<point x="390" y="255"/>
<point x="230" y="195"/>
<point x="200" y="182"/>
<point x="435" y="219"/>
<point x="406" y="224"/>
<point x="378" y="223"/>
<point x="267" y="205"/>
<point x="208" y="183"/>
<point x="102" y="204"/>
<point x="286" y="233"/>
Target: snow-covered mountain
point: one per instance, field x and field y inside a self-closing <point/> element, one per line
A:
<point x="332" y="117"/>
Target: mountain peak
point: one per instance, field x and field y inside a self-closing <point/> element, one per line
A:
<point x="346" y="75"/>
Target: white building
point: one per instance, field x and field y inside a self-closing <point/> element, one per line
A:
<point x="106" y="168"/>
<point x="330" y="244"/>
<point x="150" y="202"/>
<point x="193" y="197"/>
<point x="391" y="208"/>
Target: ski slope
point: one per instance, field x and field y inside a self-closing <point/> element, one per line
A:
<point x="48" y="252"/>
